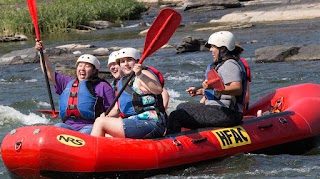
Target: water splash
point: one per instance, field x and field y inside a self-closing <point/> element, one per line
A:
<point x="9" y="116"/>
<point x="173" y="101"/>
<point x="41" y="104"/>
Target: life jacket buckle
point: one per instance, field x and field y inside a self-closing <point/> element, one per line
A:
<point x="75" y="85"/>
<point x="73" y="94"/>
<point x="72" y="106"/>
<point x="73" y="116"/>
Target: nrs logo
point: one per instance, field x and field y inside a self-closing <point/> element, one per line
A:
<point x="232" y="137"/>
<point x="70" y="140"/>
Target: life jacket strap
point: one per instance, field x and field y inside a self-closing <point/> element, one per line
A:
<point x="72" y="109"/>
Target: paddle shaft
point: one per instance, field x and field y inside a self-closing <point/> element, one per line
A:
<point x="120" y="92"/>
<point x="47" y="81"/>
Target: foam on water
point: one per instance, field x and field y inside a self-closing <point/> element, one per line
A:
<point x="41" y="104"/>
<point x="185" y="78"/>
<point x="9" y="115"/>
<point x="173" y="101"/>
<point x="31" y="81"/>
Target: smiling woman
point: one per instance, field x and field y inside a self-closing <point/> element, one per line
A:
<point x="82" y="99"/>
<point x="59" y="15"/>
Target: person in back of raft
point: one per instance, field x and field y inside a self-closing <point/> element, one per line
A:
<point x="225" y="107"/>
<point x="140" y="114"/>
<point x="117" y="73"/>
<point x="114" y="69"/>
<point x="82" y="99"/>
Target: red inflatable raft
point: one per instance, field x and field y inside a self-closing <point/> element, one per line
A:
<point x="293" y="127"/>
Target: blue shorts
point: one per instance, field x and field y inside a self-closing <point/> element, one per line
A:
<point x="142" y="129"/>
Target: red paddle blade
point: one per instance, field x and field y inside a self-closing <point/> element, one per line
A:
<point x="160" y="31"/>
<point x="54" y="113"/>
<point x="214" y="80"/>
<point x="33" y="13"/>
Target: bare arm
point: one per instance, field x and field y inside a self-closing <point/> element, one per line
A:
<point x="165" y="98"/>
<point x="233" y="88"/>
<point x="203" y="99"/>
<point x="49" y="68"/>
<point x="149" y="82"/>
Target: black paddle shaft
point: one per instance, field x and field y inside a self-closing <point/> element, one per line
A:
<point x="120" y="92"/>
<point x="47" y="79"/>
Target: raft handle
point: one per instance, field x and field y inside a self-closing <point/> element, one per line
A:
<point x="18" y="145"/>
<point x="198" y="140"/>
<point x="283" y="120"/>
<point x="265" y="127"/>
<point x="175" y="141"/>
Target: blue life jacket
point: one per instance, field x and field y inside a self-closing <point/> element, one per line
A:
<point x="209" y="93"/>
<point x="79" y="101"/>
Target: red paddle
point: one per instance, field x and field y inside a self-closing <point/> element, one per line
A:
<point x="160" y="31"/>
<point x="45" y="111"/>
<point x="33" y="13"/>
<point x="214" y="81"/>
<point x="158" y="35"/>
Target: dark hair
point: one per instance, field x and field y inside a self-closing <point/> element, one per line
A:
<point x="235" y="53"/>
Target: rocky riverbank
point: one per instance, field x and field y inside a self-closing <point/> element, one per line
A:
<point x="246" y="16"/>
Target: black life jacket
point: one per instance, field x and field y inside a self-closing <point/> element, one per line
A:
<point x="136" y="98"/>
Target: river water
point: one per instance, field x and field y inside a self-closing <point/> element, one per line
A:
<point x="23" y="90"/>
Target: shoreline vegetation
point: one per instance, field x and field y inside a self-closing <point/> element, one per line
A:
<point x="61" y="15"/>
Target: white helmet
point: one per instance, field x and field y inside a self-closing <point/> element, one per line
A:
<point x="89" y="59"/>
<point x="222" y="38"/>
<point x="128" y="52"/>
<point x="112" y="57"/>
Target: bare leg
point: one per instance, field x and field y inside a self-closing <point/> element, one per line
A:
<point x="113" y="127"/>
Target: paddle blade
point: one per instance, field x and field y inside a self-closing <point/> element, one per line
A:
<point x="160" y="31"/>
<point x="54" y="113"/>
<point x="214" y="80"/>
<point x="33" y="13"/>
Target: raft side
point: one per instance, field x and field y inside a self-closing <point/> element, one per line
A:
<point x="20" y="152"/>
<point x="67" y="150"/>
<point x="48" y="148"/>
<point x="188" y="148"/>
<point x="118" y="154"/>
<point x="289" y="96"/>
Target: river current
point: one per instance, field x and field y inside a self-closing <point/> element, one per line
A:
<point x="23" y="89"/>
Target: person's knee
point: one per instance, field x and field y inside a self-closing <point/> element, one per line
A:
<point x="99" y="121"/>
<point x="173" y="124"/>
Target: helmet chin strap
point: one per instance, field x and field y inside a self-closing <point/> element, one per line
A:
<point x="220" y="55"/>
